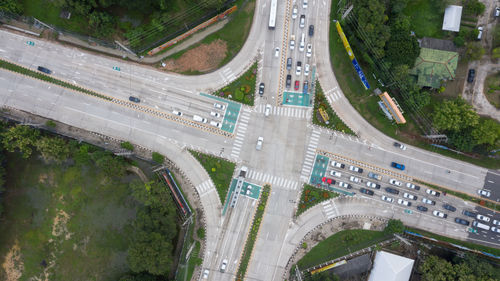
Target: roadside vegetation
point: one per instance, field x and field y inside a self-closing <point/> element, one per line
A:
<point x="492" y="88"/>
<point x="252" y="235"/>
<point x="333" y="122"/>
<point x="242" y="89"/>
<point x="311" y="196"/>
<point x="220" y="171"/>
<point x="468" y="267"/>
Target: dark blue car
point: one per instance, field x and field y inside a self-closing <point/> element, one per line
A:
<point x="398" y="166"/>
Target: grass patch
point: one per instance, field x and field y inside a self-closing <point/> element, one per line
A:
<point x="220" y="171"/>
<point x="252" y="235"/>
<point x="242" y="89"/>
<point x="469" y="245"/>
<point x="334" y="122"/>
<point x="426" y="20"/>
<point x="186" y="267"/>
<point x="492" y="86"/>
<point x="99" y="212"/>
<point x="311" y="196"/>
<point x="341" y="244"/>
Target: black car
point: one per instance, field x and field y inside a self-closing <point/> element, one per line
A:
<point x="288" y="80"/>
<point x="366" y="191"/>
<point x="392" y="190"/>
<point x="311" y="30"/>
<point x="449" y="207"/>
<point x="469" y="213"/>
<point x="261" y="88"/>
<point x="462" y="221"/>
<point x="134" y="99"/>
<point x="472" y="75"/>
<point x="44" y="70"/>
<point x="422" y="208"/>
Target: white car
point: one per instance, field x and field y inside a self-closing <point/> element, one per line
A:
<point x="354" y="179"/>
<point x="337" y="164"/>
<point x="302" y="21"/>
<point x="306" y="69"/>
<point x="215" y="114"/>
<point x="260" y="141"/>
<point x="495" y="229"/>
<point x="219" y="106"/>
<point x="298" y="71"/>
<point x="216" y="124"/>
<point x="395" y="182"/>
<point x="335" y="174"/>
<point x="304" y="4"/>
<point x="178" y="113"/>
<point x="309" y="50"/>
<point x="428" y="201"/>
<point x="205" y="274"/>
<point x="404" y="202"/>
<point x="432" y="192"/>
<point x="484" y="192"/>
<point x="410" y="185"/>
<point x="277" y="52"/>
<point x="345" y="185"/>
<point x="410" y="196"/>
<point x="372" y="185"/>
<point x="355" y="169"/>
<point x="295" y="11"/>
<point x="440" y="214"/>
<point x="496" y="222"/>
<point x="388" y="199"/>
<point x="268" y="110"/>
<point x="483" y="218"/>
<point x="223" y="266"/>
<point x="292" y="43"/>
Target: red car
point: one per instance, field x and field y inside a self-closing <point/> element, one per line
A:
<point x="328" y="180"/>
<point x="297" y="85"/>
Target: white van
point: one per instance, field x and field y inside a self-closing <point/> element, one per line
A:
<point x="480" y="225"/>
<point x="199" y="119"/>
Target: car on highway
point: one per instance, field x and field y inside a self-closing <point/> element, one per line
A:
<point x="398" y="166"/>
<point x="288" y="81"/>
<point x="422" y="208"/>
<point x="337" y="164"/>
<point x="345" y="185"/>
<point x="216" y="124"/>
<point x="400" y="145"/>
<point x="497" y="12"/>
<point x="309" y="50"/>
<point x="439" y="214"/>
<point x="495" y="229"/>
<point x="215" y="114"/>
<point x="295" y="12"/>
<point x="412" y="186"/>
<point x="410" y="196"/>
<point x="449" y="207"/>
<point x="395" y="182"/>
<point x="268" y="110"/>
<point x="261" y="88"/>
<point x="304" y="4"/>
<point x="388" y="199"/>
<point x="302" y="21"/>
<point x="219" y="106"/>
<point x="469" y="213"/>
<point x="298" y="71"/>
<point x="260" y="141"/>
<point x="297" y="85"/>
<point x="289" y="63"/>
<point x="205" y="274"/>
<point x="276" y="52"/>
<point x="306" y="69"/>
<point x="471" y="76"/>
<point x="392" y="190"/>
<point x="366" y="191"/>
<point x="223" y="266"/>
<point x="373" y="185"/>
<point x="483" y="218"/>
<point x="335" y="174"/>
<point x="462" y="221"/>
<point x="328" y="180"/>
<point x="355" y="169"/>
<point x="433" y="192"/>
<point x="178" y="113"/>
<point x="354" y="179"/>
<point x="496" y="222"/>
<point x="404" y="202"/>
<point x="428" y="201"/>
<point x="484" y="193"/>
<point x="311" y="30"/>
<point x="292" y="42"/>
<point x="44" y="70"/>
<point x="134" y="99"/>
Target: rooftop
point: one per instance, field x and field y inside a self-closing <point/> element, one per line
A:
<point x="390" y="267"/>
<point x="452" y="16"/>
<point x="432" y="66"/>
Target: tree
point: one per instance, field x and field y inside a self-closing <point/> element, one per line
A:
<point x="53" y="148"/>
<point x="20" y="137"/>
<point x="11" y="6"/>
<point x="397" y="6"/>
<point x="474" y="7"/>
<point x="324" y="276"/>
<point x="418" y="99"/>
<point x="112" y="166"/>
<point x="394" y="226"/>
<point x="454" y="115"/>
<point x="102" y="23"/>
<point x="462" y="139"/>
<point x="486" y="132"/>
<point x="435" y="269"/>
<point x="473" y="51"/>
<point x="150" y="252"/>
<point x="371" y="18"/>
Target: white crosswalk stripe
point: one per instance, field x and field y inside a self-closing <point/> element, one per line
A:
<point x="273" y="180"/>
<point x="329" y="209"/>
<point x="240" y="134"/>
<point x="310" y="155"/>
<point x="204" y="187"/>
<point x="299" y="113"/>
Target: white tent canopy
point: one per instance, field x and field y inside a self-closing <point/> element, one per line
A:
<point x="452" y="16"/>
<point x="390" y="267"/>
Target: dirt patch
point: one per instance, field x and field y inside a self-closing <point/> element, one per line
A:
<point x="13" y="265"/>
<point x="59" y="227"/>
<point x="203" y="58"/>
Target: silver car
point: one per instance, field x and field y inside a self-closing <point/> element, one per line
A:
<point x="260" y="141"/>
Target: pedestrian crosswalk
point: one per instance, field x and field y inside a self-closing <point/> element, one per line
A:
<point x="204" y="187"/>
<point x="286" y="111"/>
<point x="240" y="133"/>
<point x="333" y="94"/>
<point x="329" y="209"/>
<point x="227" y="75"/>
<point x="273" y="180"/>
<point x="310" y="154"/>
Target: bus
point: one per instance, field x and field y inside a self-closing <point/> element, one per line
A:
<point x="272" y="15"/>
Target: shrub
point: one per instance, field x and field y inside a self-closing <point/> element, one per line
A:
<point x="248" y="98"/>
<point x="201" y="233"/>
<point x="127" y="145"/>
<point x="50" y="124"/>
<point x="304" y="245"/>
<point x="238" y="95"/>
<point x="158" y="158"/>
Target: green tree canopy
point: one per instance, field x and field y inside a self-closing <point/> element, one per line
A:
<point x="394" y="226"/>
<point x="371" y="18"/>
<point x="402" y="48"/>
<point x="20" y="137"/>
<point x="53" y="148"/>
<point x="454" y="115"/>
<point x="486" y="132"/>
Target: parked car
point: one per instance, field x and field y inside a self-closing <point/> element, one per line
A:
<point x="439" y="214"/>
<point x="484" y="192"/>
<point x="388" y="199"/>
<point x="469" y="213"/>
<point x="337" y="164"/>
<point x="216" y="124"/>
<point x="392" y="190"/>
<point x="495" y="229"/>
<point x="373" y="185"/>
<point x="215" y="114"/>
<point x="412" y="186"/>
<point x="355" y="169"/>
<point x="433" y="192"/>
<point x="261" y="88"/>
<point x="422" y="208"/>
<point x="471" y="76"/>
<point x="219" y="106"/>
<point x="480" y="34"/>
<point x="374" y="176"/>
<point x="366" y="191"/>
<point x="402" y="146"/>
<point x="328" y="180"/>
<point x="395" y="182"/>
<point x="354" y="179"/>
<point x="345" y="185"/>
<point x="297" y="85"/>
<point x="496" y="222"/>
<point x="404" y="202"/>
<point x="335" y="174"/>
<point x="134" y="99"/>
<point x="44" y="70"/>
<point x="483" y="218"/>
<point x="410" y="196"/>
<point x="288" y="81"/>
<point x="178" y="113"/>
<point x="462" y="221"/>
<point x="449" y="207"/>
<point x="398" y="166"/>
<point x="428" y="201"/>
<point x="205" y="274"/>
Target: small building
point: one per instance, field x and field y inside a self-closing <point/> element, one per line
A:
<point x="452" y="17"/>
<point x="390" y="267"/>
<point x="433" y="66"/>
<point x="391" y="108"/>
